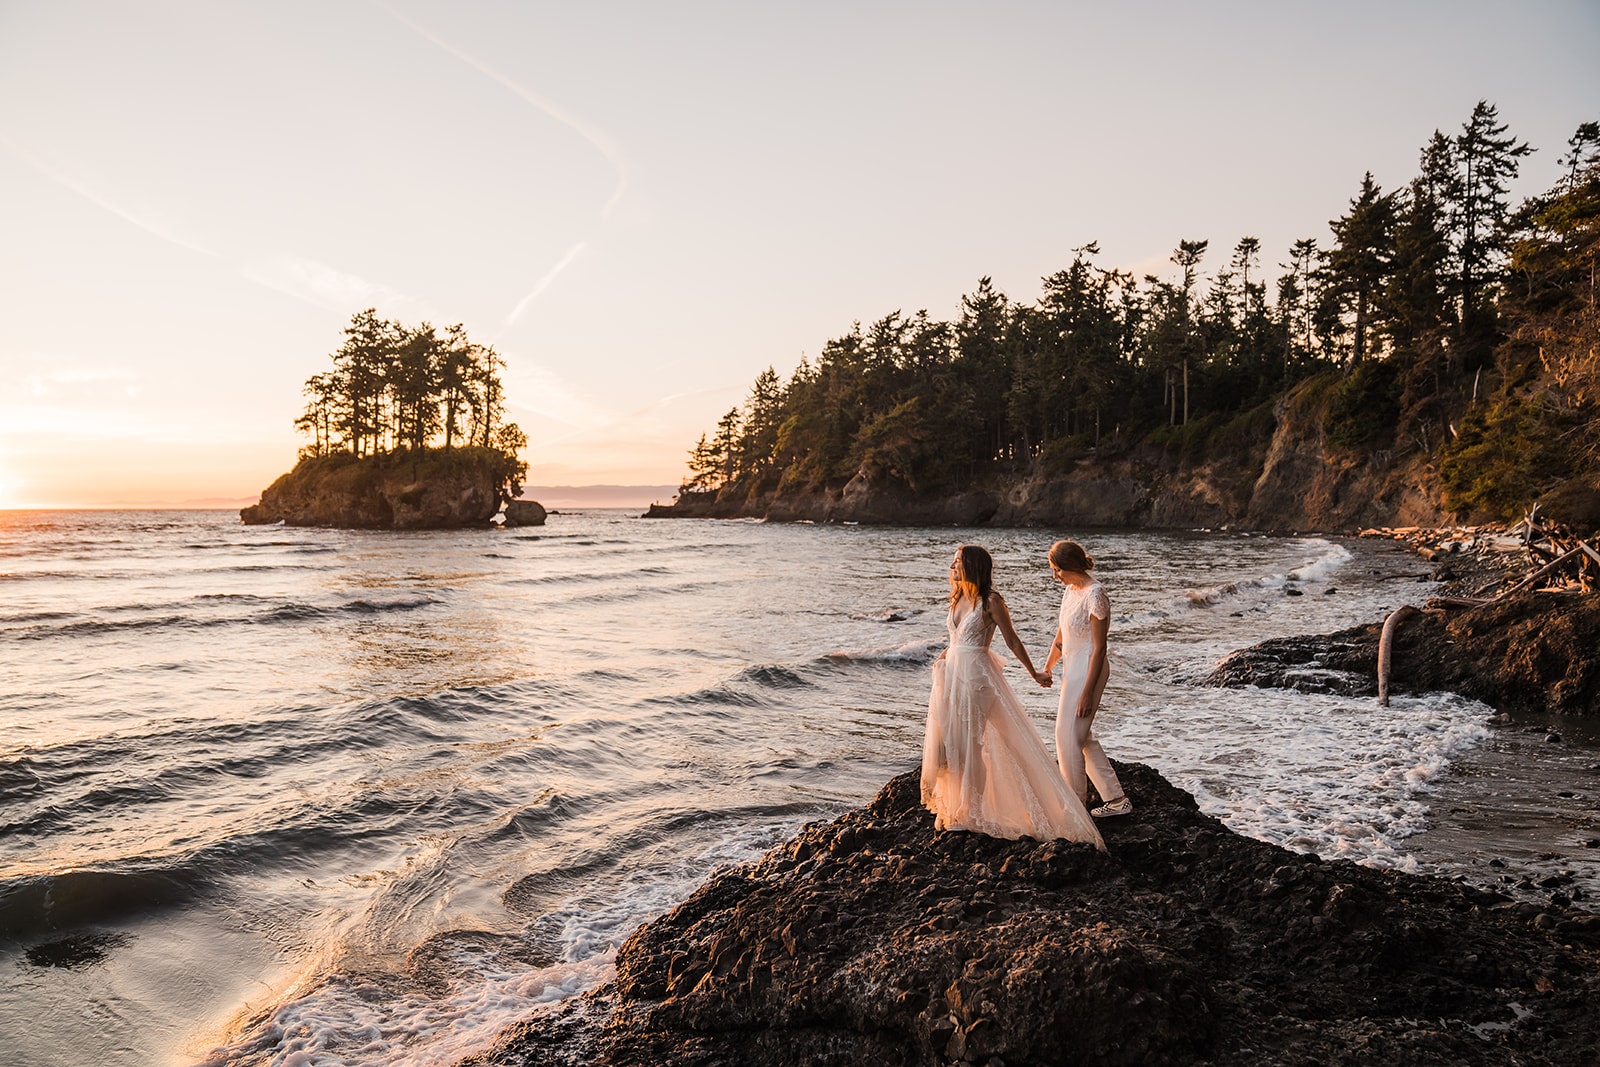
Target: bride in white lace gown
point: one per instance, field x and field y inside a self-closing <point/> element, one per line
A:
<point x="984" y="767"/>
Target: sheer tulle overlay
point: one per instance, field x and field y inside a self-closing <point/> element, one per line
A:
<point x="984" y="767"/>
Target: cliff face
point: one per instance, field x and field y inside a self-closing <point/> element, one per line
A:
<point x="392" y="492"/>
<point x="1304" y="483"/>
<point x="1294" y="481"/>
<point x="877" y="939"/>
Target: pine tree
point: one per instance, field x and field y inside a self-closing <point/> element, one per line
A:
<point x="1361" y="259"/>
<point x="1486" y="160"/>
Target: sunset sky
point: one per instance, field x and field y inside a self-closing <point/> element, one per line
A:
<point x="641" y="205"/>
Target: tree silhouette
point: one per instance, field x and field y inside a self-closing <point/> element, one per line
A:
<point x="1387" y="325"/>
<point x="394" y="387"/>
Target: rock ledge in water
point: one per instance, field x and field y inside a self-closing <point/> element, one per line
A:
<point x="875" y="939"/>
<point x="431" y="490"/>
<point x="525" y="513"/>
<point x="1533" y="652"/>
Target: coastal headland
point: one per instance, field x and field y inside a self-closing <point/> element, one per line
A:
<point x="876" y="939"/>
<point x="1285" y="476"/>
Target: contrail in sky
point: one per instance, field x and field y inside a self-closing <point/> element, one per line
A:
<point x="303" y="279"/>
<point x="602" y="142"/>
<point x="549" y="276"/>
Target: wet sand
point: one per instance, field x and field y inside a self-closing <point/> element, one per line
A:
<point x="1520" y="813"/>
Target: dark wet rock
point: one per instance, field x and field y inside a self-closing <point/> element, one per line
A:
<point x="76" y="950"/>
<point x="874" y="498"/>
<point x="1339" y="663"/>
<point x="1535" y="652"/>
<point x="525" y="513"/>
<point x="875" y="939"/>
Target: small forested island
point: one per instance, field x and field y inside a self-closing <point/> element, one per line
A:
<point x="1436" y="360"/>
<point x="407" y="433"/>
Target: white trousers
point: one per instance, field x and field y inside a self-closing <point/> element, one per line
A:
<point x="1075" y="747"/>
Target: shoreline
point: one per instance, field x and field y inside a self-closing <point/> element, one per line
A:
<point x="875" y="938"/>
<point x="1518" y="814"/>
<point x="1512" y="849"/>
<point x="866" y="629"/>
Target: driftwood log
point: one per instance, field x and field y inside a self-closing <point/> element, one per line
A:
<point x="1386" y="649"/>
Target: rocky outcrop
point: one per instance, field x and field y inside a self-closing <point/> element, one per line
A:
<point x="875" y="939"/>
<point x="871" y="497"/>
<point x="524" y="513"/>
<point x="463" y="488"/>
<point x="1530" y="652"/>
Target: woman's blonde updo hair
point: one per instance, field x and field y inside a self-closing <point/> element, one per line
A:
<point x="1070" y="556"/>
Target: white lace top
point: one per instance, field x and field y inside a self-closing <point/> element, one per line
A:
<point x="974" y="630"/>
<point x="1078" y="605"/>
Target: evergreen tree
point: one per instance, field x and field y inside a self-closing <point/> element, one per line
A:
<point x="726" y="445"/>
<point x="1187" y="257"/>
<point x="455" y="359"/>
<point x="704" y="468"/>
<point x="1361" y="259"/>
<point x="1486" y="160"/>
<point x="763" y="415"/>
<point x="1299" y="296"/>
<point x="1583" y="153"/>
<point x="394" y="387"/>
<point x="362" y="368"/>
<point x="985" y="364"/>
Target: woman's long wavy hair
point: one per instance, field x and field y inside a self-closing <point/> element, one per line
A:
<point x="978" y="568"/>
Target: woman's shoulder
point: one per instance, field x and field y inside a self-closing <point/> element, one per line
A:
<point x="1092" y="594"/>
<point x="1093" y="588"/>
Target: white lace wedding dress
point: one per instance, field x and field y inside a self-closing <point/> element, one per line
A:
<point x="984" y="767"/>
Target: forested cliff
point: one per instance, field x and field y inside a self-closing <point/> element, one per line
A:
<point x="1436" y="358"/>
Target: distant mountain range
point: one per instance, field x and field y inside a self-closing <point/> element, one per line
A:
<point x="599" y="496"/>
<point x="551" y="496"/>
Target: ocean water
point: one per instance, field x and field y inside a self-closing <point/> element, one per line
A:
<point x="290" y="796"/>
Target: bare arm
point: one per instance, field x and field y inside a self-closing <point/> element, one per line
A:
<point x="1089" y="703"/>
<point x="1002" y="618"/>
<point x="1054" y="657"/>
